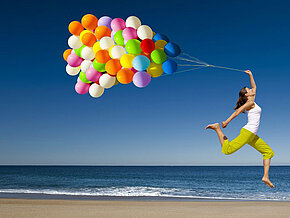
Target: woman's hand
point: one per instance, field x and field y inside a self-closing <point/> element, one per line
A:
<point x="248" y="72"/>
<point x="224" y="124"/>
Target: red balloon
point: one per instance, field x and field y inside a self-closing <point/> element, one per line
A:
<point x="147" y="46"/>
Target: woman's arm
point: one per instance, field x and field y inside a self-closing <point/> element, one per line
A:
<point x="246" y="106"/>
<point x="253" y="84"/>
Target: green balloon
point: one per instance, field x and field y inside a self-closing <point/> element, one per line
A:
<point x="99" y="66"/>
<point x="79" y="51"/>
<point x="118" y="37"/>
<point x="133" y="46"/>
<point x="158" y="56"/>
<point x="83" y="77"/>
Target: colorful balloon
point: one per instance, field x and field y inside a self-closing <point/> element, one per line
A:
<point x="158" y="56"/>
<point x="102" y="31"/>
<point x="125" y="76"/>
<point x="78" y="51"/>
<point x="133" y="21"/>
<point x="66" y="53"/>
<point x="96" y="47"/>
<point x="118" y="24"/>
<point x="87" y="53"/>
<point x="133" y="47"/>
<point x="93" y="75"/>
<point x="82" y="88"/>
<point x="102" y="56"/>
<point x="141" y="62"/>
<point x="74" y="42"/>
<point x="141" y="79"/>
<point x="106" y="42"/>
<point x="129" y="33"/>
<point x="118" y="38"/>
<point x="72" y="71"/>
<point x="89" y="21"/>
<point x="117" y="52"/>
<point x="144" y="32"/>
<point x="172" y="49"/>
<point x="155" y="70"/>
<point x="127" y="60"/>
<point x="107" y="81"/>
<point x="99" y="66"/>
<point x="160" y="44"/>
<point x="147" y="46"/>
<point x="83" y="77"/>
<point x="169" y="66"/>
<point x="85" y="65"/>
<point x="159" y="36"/>
<point x="73" y="60"/>
<point x="105" y="21"/>
<point x="88" y="39"/>
<point x="96" y="90"/>
<point x="113" y="66"/>
<point x="75" y="28"/>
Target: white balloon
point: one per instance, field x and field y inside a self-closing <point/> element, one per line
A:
<point x="74" y="42"/>
<point x="106" y="42"/>
<point x="107" y="81"/>
<point x="133" y="21"/>
<point x="117" y="52"/>
<point x="87" y="53"/>
<point x="72" y="71"/>
<point x="85" y="65"/>
<point x="144" y="32"/>
<point x="96" y="90"/>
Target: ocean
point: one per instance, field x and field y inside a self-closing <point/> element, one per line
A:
<point x="144" y="182"/>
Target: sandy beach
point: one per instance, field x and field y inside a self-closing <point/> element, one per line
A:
<point x="107" y="209"/>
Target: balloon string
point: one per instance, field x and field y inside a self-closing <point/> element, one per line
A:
<point x="182" y="71"/>
<point x="227" y="68"/>
<point x="189" y="60"/>
<point x="190" y="65"/>
<point x="194" y="58"/>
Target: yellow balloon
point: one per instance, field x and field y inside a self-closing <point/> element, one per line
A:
<point x="160" y="44"/>
<point x="96" y="47"/>
<point x="110" y="49"/>
<point x="83" y="32"/>
<point x="155" y="70"/>
<point x="126" y="60"/>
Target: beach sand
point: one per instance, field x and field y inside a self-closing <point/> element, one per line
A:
<point x="119" y="209"/>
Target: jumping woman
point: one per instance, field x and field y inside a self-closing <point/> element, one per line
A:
<point x="248" y="133"/>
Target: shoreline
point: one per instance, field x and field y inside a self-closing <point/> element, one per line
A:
<point x="109" y="209"/>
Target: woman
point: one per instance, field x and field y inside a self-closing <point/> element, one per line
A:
<point x="248" y="133"/>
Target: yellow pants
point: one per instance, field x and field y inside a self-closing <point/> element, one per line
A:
<point x="247" y="137"/>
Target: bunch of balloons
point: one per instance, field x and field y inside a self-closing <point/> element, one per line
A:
<point x="104" y="52"/>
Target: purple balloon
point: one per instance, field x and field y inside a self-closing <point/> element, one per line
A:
<point x="105" y="21"/>
<point x="141" y="79"/>
<point x="118" y="24"/>
<point x="129" y="33"/>
<point x="73" y="60"/>
<point x="93" y="75"/>
<point x="82" y="88"/>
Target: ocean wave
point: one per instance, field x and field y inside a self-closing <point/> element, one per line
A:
<point x="141" y="191"/>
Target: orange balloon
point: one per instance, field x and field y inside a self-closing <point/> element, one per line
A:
<point x="75" y="28"/>
<point x="113" y="66"/>
<point x="125" y="76"/>
<point x="89" y="39"/>
<point x="66" y="53"/>
<point x="102" y="56"/>
<point x="90" y="21"/>
<point x="102" y="31"/>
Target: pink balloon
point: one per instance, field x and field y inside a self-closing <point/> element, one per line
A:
<point x="129" y="33"/>
<point x="93" y="75"/>
<point x="73" y="60"/>
<point x="82" y="88"/>
<point x="118" y="24"/>
<point x="134" y="70"/>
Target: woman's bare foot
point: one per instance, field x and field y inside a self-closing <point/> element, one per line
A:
<point x="268" y="182"/>
<point x="213" y="126"/>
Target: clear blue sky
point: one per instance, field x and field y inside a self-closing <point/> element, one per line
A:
<point x="43" y="121"/>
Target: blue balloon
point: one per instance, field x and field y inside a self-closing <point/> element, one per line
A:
<point x="141" y="62"/>
<point x="159" y="36"/>
<point x="169" y="66"/>
<point x="172" y="49"/>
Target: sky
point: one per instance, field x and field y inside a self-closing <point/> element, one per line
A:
<point x="43" y="120"/>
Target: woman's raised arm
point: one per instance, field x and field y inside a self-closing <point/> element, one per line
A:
<point x="253" y="84"/>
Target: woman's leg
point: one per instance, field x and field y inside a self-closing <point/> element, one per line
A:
<point x="221" y="135"/>
<point x="265" y="178"/>
<point x="267" y="153"/>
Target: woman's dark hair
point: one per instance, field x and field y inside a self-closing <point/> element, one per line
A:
<point x="242" y="98"/>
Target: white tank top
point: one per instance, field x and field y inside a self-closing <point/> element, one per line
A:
<point x="254" y="116"/>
